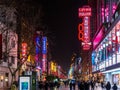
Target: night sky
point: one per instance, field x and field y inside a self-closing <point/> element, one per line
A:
<point x="62" y="20"/>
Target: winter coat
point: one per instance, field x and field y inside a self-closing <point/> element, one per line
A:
<point x="108" y="86"/>
<point x="115" y="87"/>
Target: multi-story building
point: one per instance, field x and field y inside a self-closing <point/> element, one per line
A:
<point x="8" y="44"/>
<point x="106" y="42"/>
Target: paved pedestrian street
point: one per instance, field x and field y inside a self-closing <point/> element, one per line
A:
<point x="68" y="88"/>
<point x="61" y="88"/>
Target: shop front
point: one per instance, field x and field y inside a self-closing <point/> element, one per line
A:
<point x="106" y="56"/>
<point x="116" y="78"/>
<point x="5" y="78"/>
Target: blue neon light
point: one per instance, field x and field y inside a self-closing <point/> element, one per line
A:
<point x="44" y="45"/>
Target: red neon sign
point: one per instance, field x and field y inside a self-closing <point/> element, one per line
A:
<point x="24" y="49"/>
<point x="85" y="11"/>
<point x="84" y="28"/>
<point x="80" y="32"/>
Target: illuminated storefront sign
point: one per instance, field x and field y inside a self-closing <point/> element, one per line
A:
<point x="84" y="28"/>
<point x="44" y="45"/>
<point x="24" y="83"/>
<point x="43" y="65"/>
<point x="24" y="50"/>
<point x="52" y="66"/>
<point x="98" y="38"/>
<point x="85" y="11"/>
<point x="80" y="32"/>
<point x="44" y="53"/>
<point x="38" y="47"/>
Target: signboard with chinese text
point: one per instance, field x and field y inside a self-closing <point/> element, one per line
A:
<point x="84" y="13"/>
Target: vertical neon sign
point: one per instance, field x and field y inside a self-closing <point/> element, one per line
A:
<point x="85" y="14"/>
<point x="24" y="50"/>
<point x="44" y="45"/>
<point x="38" y="45"/>
<point x="44" y="52"/>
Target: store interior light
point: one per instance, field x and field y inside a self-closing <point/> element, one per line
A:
<point x="118" y="33"/>
<point x="110" y="42"/>
<point x="104" y="45"/>
<point x="113" y="70"/>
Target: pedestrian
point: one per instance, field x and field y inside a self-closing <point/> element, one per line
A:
<point x="73" y="84"/>
<point x="79" y="83"/>
<point x="102" y="84"/>
<point x="46" y="85"/>
<point x="114" y="87"/>
<point x="108" y="86"/>
<point x="92" y="83"/>
<point x="70" y="83"/>
<point x="86" y="85"/>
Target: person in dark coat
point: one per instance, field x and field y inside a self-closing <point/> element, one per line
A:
<point x="108" y="86"/>
<point x="46" y="85"/>
<point x="82" y="86"/>
<point x="92" y="83"/>
<point x="70" y="85"/>
<point x="114" y="87"/>
<point x="86" y="85"/>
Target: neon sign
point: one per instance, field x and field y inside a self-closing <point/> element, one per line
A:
<point x="24" y="50"/>
<point x="98" y="38"/>
<point x="80" y="32"/>
<point x="84" y="28"/>
<point x="85" y="11"/>
<point x="44" y="45"/>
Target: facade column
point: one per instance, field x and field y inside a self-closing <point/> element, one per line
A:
<point x="108" y="77"/>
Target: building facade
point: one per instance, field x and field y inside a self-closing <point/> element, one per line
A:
<point x="106" y="42"/>
<point x="8" y="44"/>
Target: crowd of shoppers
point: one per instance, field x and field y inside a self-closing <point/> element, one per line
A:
<point x="81" y="85"/>
<point x="95" y="85"/>
<point x="45" y="85"/>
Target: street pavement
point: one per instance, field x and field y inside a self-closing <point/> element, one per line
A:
<point x="60" y="88"/>
<point x="68" y="88"/>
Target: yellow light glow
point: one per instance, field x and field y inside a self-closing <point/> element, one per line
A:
<point x="29" y="57"/>
<point x="1" y="77"/>
<point x="52" y="66"/>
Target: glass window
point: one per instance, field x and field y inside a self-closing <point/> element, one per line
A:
<point x="107" y="63"/>
<point x="114" y="60"/>
<point x="118" y="58"/>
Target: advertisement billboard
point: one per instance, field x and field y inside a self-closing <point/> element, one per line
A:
<point x="24" y="83"/>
